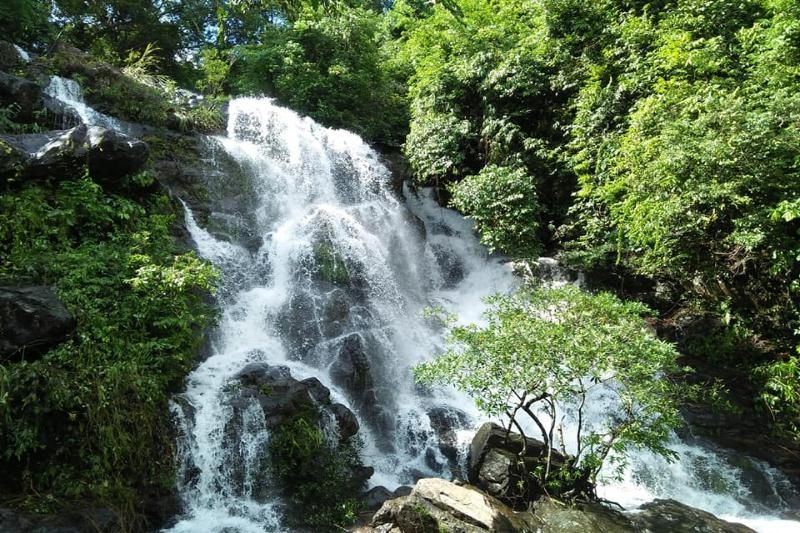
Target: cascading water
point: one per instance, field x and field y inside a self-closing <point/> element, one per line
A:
<point x="68" y="92"/>
<point x="319" y="256"/>
<point x="342" y="266"/>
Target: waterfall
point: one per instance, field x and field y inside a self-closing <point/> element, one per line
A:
<point x="309" y="199"/>
<point x="68" y="92"/>
<point x="340" y="263"/>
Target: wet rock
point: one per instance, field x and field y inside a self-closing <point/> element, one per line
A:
<point x="550" y="270"/>
<point x="32" y="320"/>
<point x="445" y="421"/>
<point x="283" y="398"/>
<point x="669" y="516"/>
<point x="374" y="497"/>
<point x="113" y="154"/>
<point x="450" y="265"/>
<point x="347" y="422"/>
<point x="59" y="116"/>
<point x="351" y="369"/>
<point x="438" y="505"/>
<point x="109" y="154"/>
<point x="336" y="312"/>
<point x="280" y="396"/>
<point x="398" y="167"/>
<point x="25" y="94"/>
<point x="417" y="225"/>
<point x="497" y="465"/>
<point x="403" y="490"/>
<point x="298" y="324"/>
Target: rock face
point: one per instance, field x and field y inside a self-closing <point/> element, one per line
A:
<point x="669" y="516"/>
<point x="109" y="154"/>
<point x="438" y="505"/>
<point x="23" y="93"/>
<point x="32" y="320"/>
<point x="10" y="56"/>
<point x="555" y="517"/>
<point x="497" y="465"/>
<point x="283" y="397"/>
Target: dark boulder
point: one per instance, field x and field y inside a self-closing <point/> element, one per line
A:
<point x="113" y="154"/>
<point x="374" y="497"/>
<point x="669" y="516"/>
<point x="110" y="155"/>
<point x="10" y="56"/>
<point x="298" y="324"/>
<point x="283" y="398"/>
<point x="450" y="265"/>
<point x="346" y="421"/>
<point x="32" y="320"/>
<point x="499" y="466"/>
<point x="351" y="370"/>
<point x="25" y="94"/>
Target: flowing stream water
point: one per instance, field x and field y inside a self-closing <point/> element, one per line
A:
<point x="320" y="254"/>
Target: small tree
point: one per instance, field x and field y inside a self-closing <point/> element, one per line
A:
<point x="544" y="354"/>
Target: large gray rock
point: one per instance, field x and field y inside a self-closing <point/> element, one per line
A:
<point x="110" y="155"/>
<point x="32" y="320"/>
<point x="438" y="505"/>
<point x="498" y="465"/>
<point x="669" y="516"/>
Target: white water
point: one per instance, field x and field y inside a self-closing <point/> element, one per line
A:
<point x="23" y="54"/>
<point x="68" y="92"/>
<point x="310" y="187"/>
<point x="307" y="184"/>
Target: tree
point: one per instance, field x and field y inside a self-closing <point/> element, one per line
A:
<point x="545" y="355"/>
<point x="328" y="65"/>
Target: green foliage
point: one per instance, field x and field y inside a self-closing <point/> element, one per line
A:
<point x="330" y="266"/>
<point x="138" y="92"/>
<point x="555" y="350"/>
<point x="111" y="29"/>
<point x="502" y="202"/>
<point x="9" y="116"/>
<point x="780" y="393"/>
<point x="24" y="21"/>
<point x="327" y="65"/>
<point x="89" y="419"/>
<point x="484" y="96"/>
<point x="315" y="473"/>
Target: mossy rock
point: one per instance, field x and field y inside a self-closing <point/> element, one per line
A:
<point x="330" y="265"/>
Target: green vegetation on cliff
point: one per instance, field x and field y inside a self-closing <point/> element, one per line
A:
<point x="88" y="420"/>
